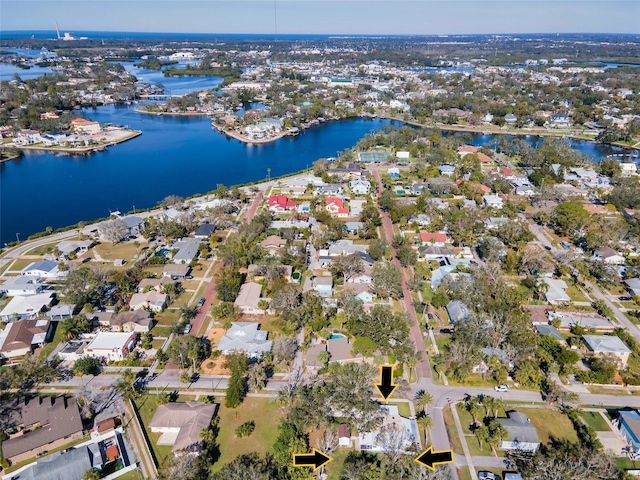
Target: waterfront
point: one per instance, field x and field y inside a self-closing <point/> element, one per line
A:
<point x="174" y="155"/>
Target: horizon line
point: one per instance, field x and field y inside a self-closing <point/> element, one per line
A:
<point x="5" y="32"/>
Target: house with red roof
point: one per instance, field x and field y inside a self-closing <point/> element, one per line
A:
<point x="484" y="158"/>
<point x="466" y="150"/>
<point x="504" y="172"/>
<point x="336" y="207"/>
<point x="433" y="239"/>
<point x="281" y="203"/>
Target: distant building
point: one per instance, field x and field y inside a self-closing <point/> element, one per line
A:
<point x="26" y="306"/>
<point x="22" y="285"/>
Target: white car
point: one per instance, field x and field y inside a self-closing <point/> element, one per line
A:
<point x="501" y="388"/>
<point x="487" y="476"/>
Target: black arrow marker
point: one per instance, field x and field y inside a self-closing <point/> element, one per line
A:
<point x="315" y="460"/>
<point x="386" y="386"/>
<point x="429" y="458"/>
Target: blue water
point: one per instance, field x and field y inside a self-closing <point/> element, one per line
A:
<point x="173" y="85"/>
<point x="333" y="336"/>
<point x="174" y="155"/>
<point x="7" y="70"/>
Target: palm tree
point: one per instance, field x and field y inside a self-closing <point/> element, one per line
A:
<point x="474" y="407"/>
<point x="426" y="422"/>
<point x="482" y="434"/>
<point x="423" y="399"/>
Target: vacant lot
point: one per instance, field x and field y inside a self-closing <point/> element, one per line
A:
<point x="550" y="424"/>
<point x="595" y="421"/>
<point x="264" y="412"/>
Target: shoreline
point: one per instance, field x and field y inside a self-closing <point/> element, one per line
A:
<point x="244" y="139"/>
<point x="170" y="114"/>
<point x="79" y="150"/>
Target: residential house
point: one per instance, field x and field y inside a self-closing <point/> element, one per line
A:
<point x="609" y="255"/>
<point x="608" y="346"/>
<point x="204" y="231"/>
<point x="41" y="423"/>
<point x="484" y="158"/>
<point x="393" y="172"/>
<point x="434" y="253"/>
<point x="24" y="336"/>
<point x="245" y="337"/>
<point x="496" y="222"/>
<point x="550" y="331"/>
<point x="293" y="190"/>
<point x="556" y="291"/>
<point x="336" y="207"/>
<point x="137" y="321"/>
<point x="628" y="169"/>
<point x="492" y="201"/>
<point x="366" y="276"/>
<point x="356" y="205"/>
<point x="249" y="298"/>
<point x="633" y="286"/>
<point x="353" y="227"/>
<point x="180" y="424"/>
<point x="77" y="247"/>
<point x="22" y="285"/>
<point x="420" y="219"/>
<point x="175" y="271"/>
<point x="281" y="203"/>
<point x="404" y="430"/>
<point x="465" y="150"/>
<point x="560" y="120"/>
<point x="157" y="284"/>
<point x="45" y="268"/>
<point x="360" y="187"/>
<point x="82" y="125"/>
<point x="188" y="249"/>
<point x="587" y="320"/>
<point x="273" y="244"/>
<point x="628" y="422"/>
<point x="329" y="189"/>
<point x="525" y="190"/>
<point x="150" y="300"/>
<point x="351" y="171"/>
<point x="28" y="307"/>
<point x="433" y="239"/>
<point x="60" y="311"/>
<point x="360" y="291"/>
<point x="510" y="119"/>
<point x="346" y="247"/>
<point x="323" y="286"/>
<point x="135" y="225"/>
<point x="111" y="346"/>
<point x="457" y="311"/>
<point x="446" y="169"/>
<point x="522" y="435"/>
<point x="418" y="188"/>
<point x="483" y="368"/>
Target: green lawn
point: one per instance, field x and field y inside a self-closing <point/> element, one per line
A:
<point x="575" y="294"/>
<point x="20" y="263"/>
<point x="550" y="424"/>
<point x="264" y="412"/>
<point x="132" y="475"/>
<point x="334" y="467"/>
<point x="403" y="408"/>
<point x="595" y="421"/>
<point x="452" y="432"/>
<point x="125" y="250"/>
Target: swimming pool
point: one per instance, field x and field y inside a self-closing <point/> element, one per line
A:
<point x="163" y="252"/>
<point x="333" y="336"/>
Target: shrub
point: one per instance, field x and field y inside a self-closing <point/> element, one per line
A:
<point x="245" y="429"/>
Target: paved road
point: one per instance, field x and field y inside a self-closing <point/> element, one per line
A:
<point x="423" y="369"/>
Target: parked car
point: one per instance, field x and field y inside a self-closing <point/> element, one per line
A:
<point x="446" y="330"/>
<point x="488" y="476"/>
<point x="501" y="388"/>
<point x="201" y="301"/>
<point x="187" y="328"/>
<point x="625" y="299"/>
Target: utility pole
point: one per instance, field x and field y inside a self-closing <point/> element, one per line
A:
<point x="18" y="237"/>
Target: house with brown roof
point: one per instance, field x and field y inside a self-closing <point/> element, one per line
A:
<point x="248" y="299"/>
<point x="38" y="424"/>
<point x="272" y="244"/>
<point x="180" y="424"/>
<point x="139" y="321"/>
<point x="24" y="337"/>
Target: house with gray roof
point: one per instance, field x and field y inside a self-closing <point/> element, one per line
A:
<point x="549" y="330"/>
<point x="22" y="285"/>
<point x="633" y="286"/>
<point x="180" y="424"/>
<point x="135" y="225"/>
<point x="608" y="346"/>
<point x="556" y="293"/>
<point x="628" y="422"/>
<point x="346" y="247"/>
<point x="245" y="337"/>
<point x="26" y="307"/>
<point x="457" y="311"/>
<point x="522" y="434"/>
<point x="67" y="247"/>
<point x="187" y="250"/>
<point x="71" y="463"/>
<point x="434" y="253"/>
<point x="492" y="201"/>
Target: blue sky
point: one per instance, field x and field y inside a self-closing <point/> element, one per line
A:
<point x="326" y="16"/>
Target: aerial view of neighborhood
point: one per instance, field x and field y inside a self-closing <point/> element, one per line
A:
<point x="368" y="255"/>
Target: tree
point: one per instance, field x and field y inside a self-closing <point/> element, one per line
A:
<point x="187" y="350"/>
<point x="323" y="357"/>
<point x="74" y="327"/>
<point x="407" y="255"/>
<point x="91" y="474"/>
<point x="188" y="313"/>
<point x="426" y="422"/>
<point x="247" y="467"/>
<point x="482" y="434"/>
<point x="387" y="280"/>
<point x="246" y="429"/>
<point x="347" y="265"/>
<point x="570" y="218"/>
<point x="113" y="231"/>
<point x="257" y="377"/>
<point x="423" y="399"/>
<point x="474" y="407"/>
<point x="284" y="349"/>
<point x="84" y="285"/>
<point x="387" y="200"/>
<point x="236" y="388"/>
<point x="87" y="366"/>
<point x="228" y="283"/>
<point x="377" y="249"/>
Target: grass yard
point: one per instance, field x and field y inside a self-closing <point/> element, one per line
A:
<point x="595" y="421"/>
<point x="20" y="263"/>
<point x="452" y="432"/>
<point x="403" y="408"/>
<point x="264" y="412"/>
<point x="607" y="391"/>
<point x="575" y="294"/>
<point x="132" y="475"/>
<point x="125" y="250"/>
<point x="550" y="424"/>
<point x="334" y="467"/>
<point x="147" y="406"/>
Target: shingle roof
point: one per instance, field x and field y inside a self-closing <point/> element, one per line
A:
<point x="189" y="417"/>
<point x="519" y="428"/>
<point x="605" y="344"/>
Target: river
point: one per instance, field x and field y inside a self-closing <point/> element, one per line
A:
<point x="174" y="155"/>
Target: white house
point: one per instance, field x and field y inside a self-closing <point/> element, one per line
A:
<point x="492" y="201"/>
<point x="67" y="247"/>
<point x="22" y="285"/>
<point x="609" y="255"/>
<point x="152" y="300"/>
<point x="111" y="346"/>
<point x="26" y="307"/>
<point x="245" y="337"/>
<point x="360" y="186"/>
<point x="556" y="292"/>
<point x="44" y="269"/>
<point x="403" y="429"/>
